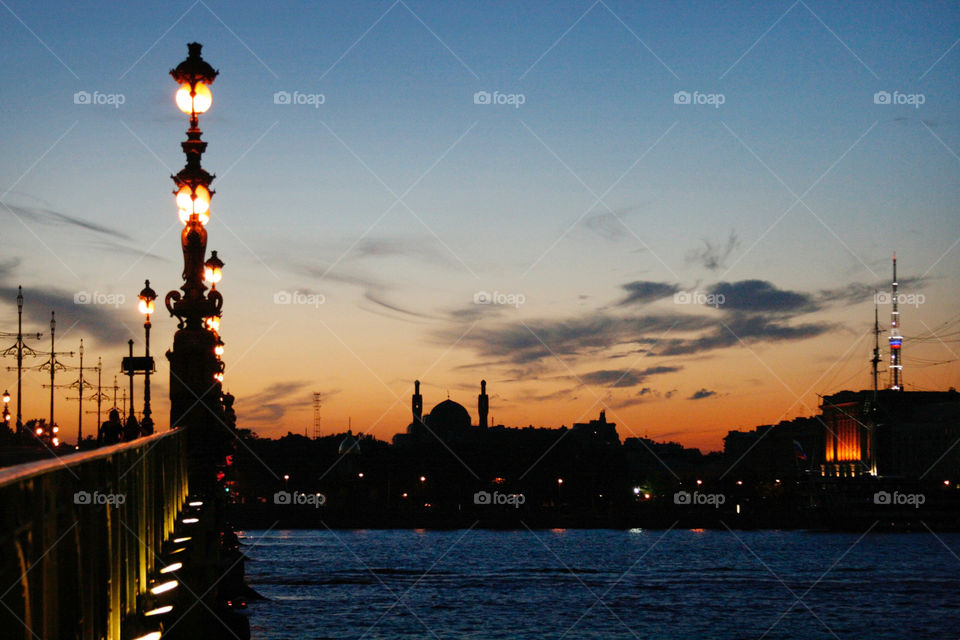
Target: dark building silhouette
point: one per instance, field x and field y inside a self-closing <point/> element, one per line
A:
<point x="890" y="433"/>
<point x="598" y="430"/>
<point x="448" y="421"/>
<point x="784" y="450"/>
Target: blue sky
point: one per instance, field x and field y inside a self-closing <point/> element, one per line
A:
<point x="398" y="198"/>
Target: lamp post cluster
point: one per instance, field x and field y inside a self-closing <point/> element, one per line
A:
<point x="196" y="370"/>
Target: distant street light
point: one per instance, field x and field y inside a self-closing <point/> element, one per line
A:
<point x="6" y="409"/>
<point x="147" y="296"/>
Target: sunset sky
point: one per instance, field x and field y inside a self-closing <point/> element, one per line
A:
<point x="681" y="210"/>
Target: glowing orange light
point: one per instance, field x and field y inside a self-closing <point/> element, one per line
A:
<point x="199" y="102"/>
<point x="195" y="201"/>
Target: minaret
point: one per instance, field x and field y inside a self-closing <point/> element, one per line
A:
<point x="416" y="403"/>
<point x="483" y="404"/>
<point x="896" y="340"/>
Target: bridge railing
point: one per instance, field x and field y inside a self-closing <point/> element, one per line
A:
<point x="79" y="536"/>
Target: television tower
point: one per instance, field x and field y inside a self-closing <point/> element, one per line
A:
<point x="896" y="340"/>
<point x="875" y="360"/>
<point x="316" y="415"/>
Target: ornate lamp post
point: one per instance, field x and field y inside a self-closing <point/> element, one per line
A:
<point x="194" y="388"/>
<point x="147" y="296"/>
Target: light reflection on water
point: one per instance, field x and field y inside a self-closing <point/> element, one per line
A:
<point x="601" y="584"/>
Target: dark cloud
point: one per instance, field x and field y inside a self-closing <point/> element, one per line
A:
<point x="742" y="326"/>
<point x="714" y="256"/>
<point x="762" y="297"/>
<point x="105" y="322"/>
<point x="614" y="378"/>
<point x="540" y="339"/>
<point x="643" y="291"/>
<point x="700" y="394"/>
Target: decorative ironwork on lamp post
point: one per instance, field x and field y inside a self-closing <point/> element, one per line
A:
<point x="195" y="390"/>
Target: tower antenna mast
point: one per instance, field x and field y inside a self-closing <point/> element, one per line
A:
<point x="896" y="340"/>
<point x="875" y="361"/>
<point x="316" y="414"/>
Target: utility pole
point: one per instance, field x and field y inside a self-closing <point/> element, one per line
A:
<point x="81" y="385"/>
<point x="99" y="396"/>
<point x="316" y="414"/>
<point x="53" y="365"/>
<point x="19" y="349"/>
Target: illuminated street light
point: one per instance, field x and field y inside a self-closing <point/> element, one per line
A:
<point x="195" y="371"/>
<point x="147" y="297"/>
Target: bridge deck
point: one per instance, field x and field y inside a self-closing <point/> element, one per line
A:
<point x="81" y="537"/>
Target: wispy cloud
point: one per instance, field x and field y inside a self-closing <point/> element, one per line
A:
<point x="713" y="255"/>
<point x="44" y="216"/>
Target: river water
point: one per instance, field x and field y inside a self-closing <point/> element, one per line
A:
<point x="602" y="584"/>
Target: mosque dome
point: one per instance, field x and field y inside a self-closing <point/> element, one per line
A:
<point x="349" y="444"/>
<point x="449" y="415"/>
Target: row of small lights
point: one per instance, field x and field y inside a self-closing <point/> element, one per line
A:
<point x="156" y="604"/>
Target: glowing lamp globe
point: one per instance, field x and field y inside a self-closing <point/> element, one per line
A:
<point x="196" y="101"/>
<point x="147" y="296"/>
<point x="213" y="269"/>
<point x="194" y="201"/>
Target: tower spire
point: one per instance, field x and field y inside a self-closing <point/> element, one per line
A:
<point x="416" y="403"/>
<point x="483" y="404"/>
<point x="896" y="340"/>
